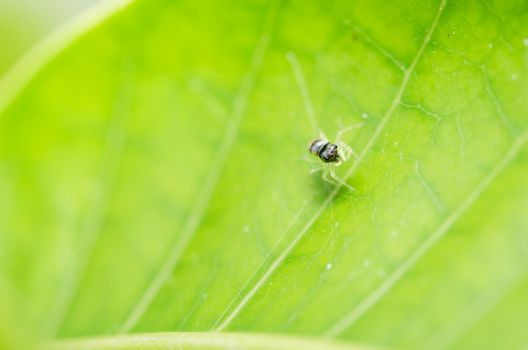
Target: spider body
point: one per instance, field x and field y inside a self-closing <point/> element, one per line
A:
<point x="333" y="154"/>
<point x="325" y="150"/>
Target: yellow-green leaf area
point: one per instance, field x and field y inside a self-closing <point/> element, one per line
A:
<point x="154" y="179"/>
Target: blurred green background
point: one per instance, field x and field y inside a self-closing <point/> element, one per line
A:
<point x="24" y="22"/>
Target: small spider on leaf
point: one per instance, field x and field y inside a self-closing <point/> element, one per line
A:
<point x="332" y="154"/>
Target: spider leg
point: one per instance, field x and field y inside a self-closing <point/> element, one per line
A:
<point x="326" y="176"/>
<point x="311" y="160"/>
<point x="343" y="131"/>
<point x="330" y="176"/>
<point x="345" y="150"/>
<point x="322" y="135"/>
<point x="340" y="180"/>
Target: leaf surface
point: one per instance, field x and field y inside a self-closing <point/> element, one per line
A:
<point x="154" y="179"/>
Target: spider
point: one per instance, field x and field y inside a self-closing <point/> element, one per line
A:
<point x="332" y="155"/>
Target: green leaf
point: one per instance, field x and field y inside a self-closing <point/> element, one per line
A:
<point x="24" y="22"/>
<point x="209" y="341"/>
<point x="153" y="176"/>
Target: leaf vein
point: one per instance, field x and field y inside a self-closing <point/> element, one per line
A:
<point x="204" y="197"/>
<point x="349" y="173"/>
<point x="91" y="229"/>
<point x="411" y="260"/>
